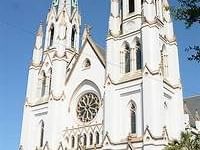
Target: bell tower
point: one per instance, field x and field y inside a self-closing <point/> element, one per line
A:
<point x="143" y="81"/>
<point x="54" y="53"/>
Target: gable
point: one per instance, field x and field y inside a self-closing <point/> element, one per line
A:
<point x="100" y="53"/>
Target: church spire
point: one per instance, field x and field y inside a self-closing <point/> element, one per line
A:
<point x="70" y="5"/>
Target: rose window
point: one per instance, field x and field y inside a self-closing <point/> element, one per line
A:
<point x="87" y="107"/>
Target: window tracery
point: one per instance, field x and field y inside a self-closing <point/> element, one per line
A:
<point x="88" y="107"/>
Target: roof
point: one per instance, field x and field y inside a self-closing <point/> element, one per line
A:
<point x="99" y="51"/>
<point x="192" y="107"/>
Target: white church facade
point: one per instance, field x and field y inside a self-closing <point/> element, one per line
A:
<point x="128" y="96"/>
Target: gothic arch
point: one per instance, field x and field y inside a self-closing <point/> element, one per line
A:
<point x="125" y="45"/>
<point x="43" y="82"/>
<point x="77" y="89"/>
<point x="51" y="35"/>
<point x="134" y="42"/>
<point x="131" y="102"/>
<point x="72" y="141"/>
<point x="97" y="136"/>
<point x="137" y="53"/>
<point x="41" y="133"/>
<point x="125" y="57"/>
<point x="91" y="138"/>
<point x="84" y="139"/>
<point x="133" y="113"/>
<point x="73" y="36"/>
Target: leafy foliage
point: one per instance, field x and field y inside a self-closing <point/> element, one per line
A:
<point x="188" y="141"/>
<point x="195" y="53"/>
<point x="189" y="13"/>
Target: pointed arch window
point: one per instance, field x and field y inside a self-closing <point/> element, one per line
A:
<point x="73" y="35"/>
<point x="127" y="58"/>
<point x="43" y="84"/>
<point x="133" y="118"/>
<point x="50" y="78"/>
<point x="73" y="142"/>
<point x="138" y="56"/>
<point x="131" y="6"/>
<point x="51" y="35"/>
<point x="42" y="134"/>
<point x="84" y="139"/>
<point x="97" y="137"/>
<point x="91" y="138"/>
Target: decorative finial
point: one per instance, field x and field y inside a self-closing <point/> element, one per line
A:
<point x="40" y="29"/>
<point x="88" y="29"/>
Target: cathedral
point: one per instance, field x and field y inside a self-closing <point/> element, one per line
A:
<point x="127" y="96"/>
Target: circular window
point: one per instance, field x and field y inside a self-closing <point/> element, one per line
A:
<point x="87" y="107"/>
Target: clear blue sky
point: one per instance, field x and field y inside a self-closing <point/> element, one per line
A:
<point x="19" y="20"/>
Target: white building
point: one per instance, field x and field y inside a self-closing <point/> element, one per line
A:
<point x="191" y="114"/>
<point x="128" y="96"/>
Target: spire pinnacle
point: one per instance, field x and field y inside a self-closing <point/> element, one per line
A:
<point x="86" y="32"/>
<point x="40" y="29"/>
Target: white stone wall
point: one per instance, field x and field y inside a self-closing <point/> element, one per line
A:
<point x="155" y="89"/>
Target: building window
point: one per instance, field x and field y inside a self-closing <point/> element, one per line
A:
<point x="91" y="138"/>
<point x="73" y="36"/>
<point x="73" y="142"/>
<point x="131" y="6"/>
<point x="127" y="59"/>
<point x="138" y="56"/>
<point x="51" y="35"/>
<point x="43" y="84"/>
<point x="86" y="63"/>
<point x="50" y="78"/>
<point x="97" y="137"/>
<point x="84" y="139"/>
<point x="42" y="134"/>
<point x="133" y="119"/>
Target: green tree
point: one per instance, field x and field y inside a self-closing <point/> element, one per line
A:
<point x="188" y="141"/>
<point x="188" y="11"/>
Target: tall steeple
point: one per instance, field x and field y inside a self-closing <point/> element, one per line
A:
<point x="139" y="42"/>
<point x="63" y="11"/>
<point x="70" y="5"/>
